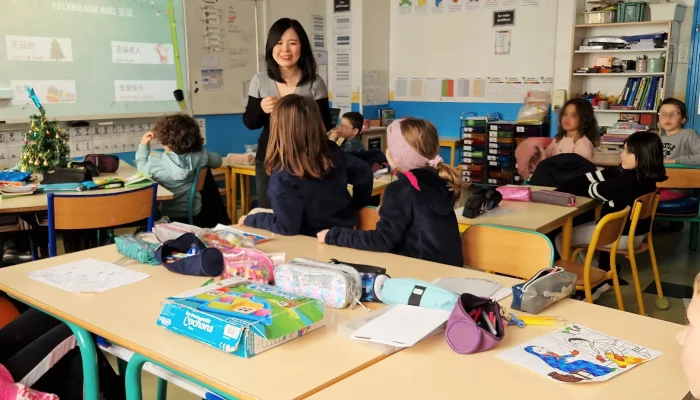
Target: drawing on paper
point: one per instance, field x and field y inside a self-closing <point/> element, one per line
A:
<point x="56" y="52"/>
<point x="576" y="354"/>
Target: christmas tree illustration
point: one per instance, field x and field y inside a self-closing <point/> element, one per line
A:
<point x="45" y="145"/>
<point x="56" y="52"/>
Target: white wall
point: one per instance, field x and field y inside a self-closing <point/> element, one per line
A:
<point x="681" y="69"/>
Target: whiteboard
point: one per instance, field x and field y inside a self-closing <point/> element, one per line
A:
<point x="90" y="59"/>
<point x="458" y="55"/>
<point x="221" y="45"/>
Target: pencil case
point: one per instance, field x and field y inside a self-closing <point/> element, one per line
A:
<point x="337" y="285"/>
<point x="415" y="292"/>
<point x="373" y="279"/>
<point x="104" y="162"/>
<point x="515" y="193"/>
<point x="554" y="198"/>
<point x="475" y="325"/>
<point x="173" y="230"/>
<point x="542" y="290"/>
<point x="137" y="249"/>
<point x="205" y="262"/>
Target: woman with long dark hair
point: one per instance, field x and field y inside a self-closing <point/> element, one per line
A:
<point x="291" y="69"/>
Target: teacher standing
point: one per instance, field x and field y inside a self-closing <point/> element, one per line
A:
<point x="291" y="68"/>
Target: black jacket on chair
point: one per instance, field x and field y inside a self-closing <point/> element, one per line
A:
<point x="416" y="219"/>
<point x="560" y="168"/>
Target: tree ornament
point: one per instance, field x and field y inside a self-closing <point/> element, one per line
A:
<point x="46" y="163"/>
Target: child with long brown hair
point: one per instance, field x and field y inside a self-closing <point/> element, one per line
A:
<point x="309" y="174"/>
<point x="417" y="217"/>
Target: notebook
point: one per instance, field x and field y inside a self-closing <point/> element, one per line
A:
<point x="402" y="326"/>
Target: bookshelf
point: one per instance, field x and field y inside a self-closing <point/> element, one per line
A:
<point x="614" y="83"/>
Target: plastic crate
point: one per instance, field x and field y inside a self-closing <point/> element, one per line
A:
<point x="631" y="11"/>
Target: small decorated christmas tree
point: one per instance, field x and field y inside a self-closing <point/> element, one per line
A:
<point x="45" y="145"/>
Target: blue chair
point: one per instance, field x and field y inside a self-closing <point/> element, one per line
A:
<point x="685" y="209"/>
<point x="95" y="211"/>
<point x="200" y="176"/>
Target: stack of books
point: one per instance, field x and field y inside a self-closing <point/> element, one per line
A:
<point x="640" y="94"/>
<point x="618" y="133"/>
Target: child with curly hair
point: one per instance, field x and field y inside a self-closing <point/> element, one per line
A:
<point x="175" y="168"/>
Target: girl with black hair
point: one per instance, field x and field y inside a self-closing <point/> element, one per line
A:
<point x="642" y="166"/>
<point x="578" y="130"/>
<point x="291" y="69"/>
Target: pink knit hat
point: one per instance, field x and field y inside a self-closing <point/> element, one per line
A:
<point x="403" y="154"/>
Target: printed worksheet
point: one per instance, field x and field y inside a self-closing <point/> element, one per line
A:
<point x="575" y="354"/>
<point x="87" y="276"/>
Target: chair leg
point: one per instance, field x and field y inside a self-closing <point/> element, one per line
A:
<point x="616" y="281"/>
<point x="661" y="301"/>
<point x="162" y="389"/>
<point x="635" y="277"/>
<point x="694" y="228"/>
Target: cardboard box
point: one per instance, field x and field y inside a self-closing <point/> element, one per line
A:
<point x="241" y="317"/>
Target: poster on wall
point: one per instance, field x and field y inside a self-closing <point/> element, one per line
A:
<point x="341" y="5"/>
<point x="510" y="3"/>
<point x="492" y="4"/>
<point x="318" y="33"/>
<point x="438" y="7"/>
<point x="405" y="7"/>
<point x="472" y="5"/>
<point x="455" y="6"/>
<point x="502" y="43"/>
<point x="529" y="3"/>
<point x="375" y="87"/>
<point x="504" y="18"/>
<point x="421" y="7"/>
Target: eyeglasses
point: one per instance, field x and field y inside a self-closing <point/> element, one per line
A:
<point x="669" y="114"/>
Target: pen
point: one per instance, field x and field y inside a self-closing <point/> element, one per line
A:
<point x="488" y="323"/>
<point x="541" y="323"/>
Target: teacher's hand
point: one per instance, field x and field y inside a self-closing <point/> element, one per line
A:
<point x="268" y="104"/>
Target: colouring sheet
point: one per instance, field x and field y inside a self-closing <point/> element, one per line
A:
<point x="87" y="276"/>
<point x="576" y="354"/>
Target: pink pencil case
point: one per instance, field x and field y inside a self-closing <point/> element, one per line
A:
<point x="515" y="193"/>
<point x="554" y="198"/>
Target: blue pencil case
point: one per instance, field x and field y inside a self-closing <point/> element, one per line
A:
<point x="205" y="262"/>
<point x="415" y="292"/>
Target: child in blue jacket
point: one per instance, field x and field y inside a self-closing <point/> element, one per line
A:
<point x="309" y="174"/>
<point x="175" y="168"/>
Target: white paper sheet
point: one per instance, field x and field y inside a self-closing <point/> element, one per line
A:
<point x="475" y="286"/>
<point x="576" y="354"/>
<point x="402" y="326"/>
<point x="87" y="276"/>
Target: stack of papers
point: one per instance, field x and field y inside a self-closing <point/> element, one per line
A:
<point x="475" y="286"/>
<point x="87" y="276"/>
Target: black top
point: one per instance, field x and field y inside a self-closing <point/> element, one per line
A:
<point x="262" y="86"/>
<point x="416" y="219"/>
<point x="560" y="168"/>
<point x="617" y="188"/>
<point x="308" y="206"/>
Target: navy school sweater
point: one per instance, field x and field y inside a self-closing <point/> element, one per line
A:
<point x="415" y="221"/>
<point x="617" y="188"/>
<point x="308" y="206"/>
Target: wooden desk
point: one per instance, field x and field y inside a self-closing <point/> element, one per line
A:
<point x="606" y="159"/>
<point x="246" y="171"/>
<point x="537" y="217"/>
<point x="38" y="202"/>
<point x="453" y="144"/>
<point x="431" y="370"/>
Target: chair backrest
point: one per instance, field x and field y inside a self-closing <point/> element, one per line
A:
<point x="609" y="229"/>
<point x="200" y="176"/>
<point x="644" y="207"/>
<point x="508" y="251"/>
<point x="681" y="178"/>
<point x="103" y="210"/>
<point x="368" y="218"/>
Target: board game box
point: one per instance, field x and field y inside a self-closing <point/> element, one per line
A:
<point x="241" y="317"/>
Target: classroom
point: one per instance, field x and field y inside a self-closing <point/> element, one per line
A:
<point x="292" y="199"/>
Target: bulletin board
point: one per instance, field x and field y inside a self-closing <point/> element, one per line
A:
<point x="458" y="54"/>
<point x="222" y="55"/>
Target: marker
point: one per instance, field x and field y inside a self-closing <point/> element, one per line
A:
<point x="488" y="323"/>
<point x="541" y="323"/>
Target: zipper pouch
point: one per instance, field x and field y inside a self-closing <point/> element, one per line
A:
<point x="418" y="293"/>
<point x="337" y="285"/>
<point x="542" y="290"/>
<point x="475" y="325"/>
<point x="515" y="193"/>
<point x="554" y="198"/>
<point x="373" y="279"/>
<point x="187" y="255"/>
<point x="137" y="249"/>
